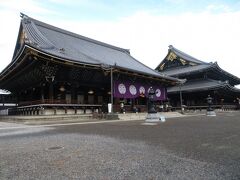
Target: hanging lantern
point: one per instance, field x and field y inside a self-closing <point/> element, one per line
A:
<point x="90" y="91"/>
<point x="62" y="88"/>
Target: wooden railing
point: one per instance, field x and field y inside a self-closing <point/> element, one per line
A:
<point x="129" y="108"/>
<point x="48" y="101"/>
<point x="217" y="106"/>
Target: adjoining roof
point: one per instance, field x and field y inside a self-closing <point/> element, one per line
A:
<point x="203" y="85"/>
<point x="203" y="67"/>
<point x="67" y="45"/>
<point x="185" y="56"/>
<point x="196" y="66"/>
<point x="176" y="55"/>
<point x="188" y="69"/>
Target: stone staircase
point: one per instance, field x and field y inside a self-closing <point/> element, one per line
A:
<point x="45" y="118"/>
<point x="85" y="117"/>
<point x="142" y="116"/>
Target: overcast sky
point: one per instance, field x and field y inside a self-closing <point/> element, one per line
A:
<point x="208" y="30"/>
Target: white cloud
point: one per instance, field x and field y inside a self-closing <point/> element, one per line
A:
<point x="10" y="21"/>
<point x="177" y="1"/>
<point x="28" y="6"/>
<point x="218" y="7"/>
<point x="8" y="35"/>
<point x="208" y="37"/>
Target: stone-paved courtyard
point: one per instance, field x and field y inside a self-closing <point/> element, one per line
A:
<point x="194" y="147"/>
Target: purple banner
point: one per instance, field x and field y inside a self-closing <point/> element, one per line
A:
<point x="125" y="89"/>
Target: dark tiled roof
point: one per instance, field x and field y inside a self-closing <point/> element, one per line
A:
<point x="188" y="69"/>
<point x="74" y="47"/>
<point x="198" y="67"/>
<point x="206" y="84"/>
<point x="234" y="80"/>
<point x="185" y="56"/>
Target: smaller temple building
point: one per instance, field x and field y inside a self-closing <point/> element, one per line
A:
<point x="54" y="71"/>
<point x="6" y="101"/>
<point x="202" y="79"/>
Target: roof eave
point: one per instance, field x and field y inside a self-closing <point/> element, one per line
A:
<point x="182" y="54"/>
<point x="237" y="79"/>
<point x="194" y="89"/>
<point x="193" y="71"/>
<point x="14" y="61"/>
<point x="168" y="78"/>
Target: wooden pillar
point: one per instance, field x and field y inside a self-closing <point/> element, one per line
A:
<point x="51" y="90"/>
<point x="112" y="89"/>
<point x="42" y="93"/>
<point x="73" y="94"/>
<point x="181" y="101"/>
<point x="32" y="94"/>
<point x="50" y="80"/>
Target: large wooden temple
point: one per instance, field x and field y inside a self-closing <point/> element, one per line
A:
<point x="54" y="71"/>
<point x="202" y="79"/>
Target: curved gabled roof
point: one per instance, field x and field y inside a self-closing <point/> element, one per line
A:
<point x="181" y="55"/>
<point x="230" y="76"/>
<point x="189" y="65"/>
<point x="67" y="45"/>
<point x="203" y="85"/>
<point x="188" y="69"/>
<point x="183" y="71"/>
<point x="185" y="56"/>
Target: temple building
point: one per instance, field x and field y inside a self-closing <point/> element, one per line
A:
<point x="54" y="71"/>
<point x="202" y="79"/>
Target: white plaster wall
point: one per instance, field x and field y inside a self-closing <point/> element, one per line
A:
<point x="80" y="111"/>
<point x="60" y="111"/>
<point x="70" y="111"/>
<point x="88" y="111"/>
<point x="48" y="112"/>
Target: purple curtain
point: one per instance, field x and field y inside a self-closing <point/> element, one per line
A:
<point x="126" y="89"/>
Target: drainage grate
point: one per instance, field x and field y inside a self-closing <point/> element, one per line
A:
<point x="55" y="148"/>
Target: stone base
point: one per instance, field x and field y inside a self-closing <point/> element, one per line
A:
<point x="60" y="111"/>
<point x="211" y="113"/>
<point x="80" y="111"/>
<point x="162" y="118"/>
<point x="154" y="117"/>
<point x="70" y="111"/>
<point x="112" y="116"/>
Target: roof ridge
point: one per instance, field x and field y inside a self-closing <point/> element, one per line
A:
<point x="49" y="26"/>
<point x="171" y="47"/>
<point x="177" y="68"/>
<point x="226" y="72"/>
<point x="188" y="67"/>
<point x="39" y="38"/>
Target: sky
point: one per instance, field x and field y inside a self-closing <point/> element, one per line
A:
<point x="208" y="30"/>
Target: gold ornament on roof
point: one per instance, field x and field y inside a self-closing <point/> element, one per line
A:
<point x="172" y="56"/>
<point x="162" y="66"/>
<point x="183" y="61"/>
